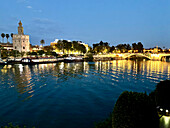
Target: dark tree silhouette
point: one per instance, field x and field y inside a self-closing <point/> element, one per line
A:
<point x="3" y="35"/>
<point x="140" y="47"/>
<point x="7" y="36"/>
<point x="42" y="42"/>
<point x="12" y="35"/>
<point x="134" y="110"/>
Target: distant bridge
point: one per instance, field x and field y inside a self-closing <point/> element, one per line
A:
<point x="150" y="56"/>
<point x="140" y="55"/>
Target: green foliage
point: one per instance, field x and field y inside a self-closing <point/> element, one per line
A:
<point x="162" y="94"/>
<point x="42" y="42"/>
<point x="123" y="47"/>
<point x="134" y="110"/>
<point x="12" y="35"/>
<point x="102" y="47"/>
<point x="138" y="46"/>
<point x="70" y="46"/>
<point x="14" y="53"/>
<point x="7" y="36"/>
<point x="40" y="52"/>
<point x="48" y="48"/>
<point x="33" y="53"/>
<point x="10" y="125"/>
<point x="3" y="35"/>
<point x="107" y="123"/>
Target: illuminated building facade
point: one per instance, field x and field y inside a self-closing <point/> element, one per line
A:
<point x="20" y="41"/>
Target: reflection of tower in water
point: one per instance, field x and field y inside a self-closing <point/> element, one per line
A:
<point x="22" y="78"/>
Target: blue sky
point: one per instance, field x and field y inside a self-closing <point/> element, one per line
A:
<point x="114" y="21"/>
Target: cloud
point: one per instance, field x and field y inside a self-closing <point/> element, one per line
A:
<point x="29" y="7"/>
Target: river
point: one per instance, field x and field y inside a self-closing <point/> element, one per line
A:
<point x="72" y="95"/>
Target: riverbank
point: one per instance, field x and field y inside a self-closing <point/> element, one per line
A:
<point x="107" y="57"/>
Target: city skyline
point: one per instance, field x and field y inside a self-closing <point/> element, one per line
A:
<point x="115" y="22"/>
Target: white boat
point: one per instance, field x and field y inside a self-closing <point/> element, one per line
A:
<point x="73" y="59"/>
<point x="2" y="62"/>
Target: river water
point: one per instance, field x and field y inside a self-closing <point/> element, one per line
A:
<point x="72" y="95"/>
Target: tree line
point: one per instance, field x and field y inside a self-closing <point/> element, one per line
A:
<point x="103" y="47"/>
<point x="67" y="46"/>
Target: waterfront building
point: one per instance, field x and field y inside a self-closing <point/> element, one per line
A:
<point x="20" y="41"/>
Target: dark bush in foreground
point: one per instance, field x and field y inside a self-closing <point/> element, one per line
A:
<point x="162" y="94"/>
<point x="134" y="110"/>
<point x="10" y="125"/>
<point x="107" y="123"/>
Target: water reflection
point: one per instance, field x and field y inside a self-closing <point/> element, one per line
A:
<point x="24" y="75"/>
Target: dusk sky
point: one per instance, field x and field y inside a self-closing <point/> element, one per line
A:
<point x="90" y="21"/>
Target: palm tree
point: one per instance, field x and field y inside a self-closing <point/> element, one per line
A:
<point x="7" y="36"/>
<point x="3" y="35"/>
<point x="42" y="42"/>
<point x="12" y="35"/>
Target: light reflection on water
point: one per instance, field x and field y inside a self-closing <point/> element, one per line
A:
<point x="48" y="95"/>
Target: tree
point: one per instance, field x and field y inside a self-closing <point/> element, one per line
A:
<point x="101" y="43"/>
<point x="112" y="49"/>
<point x="60" y="45"/>
<point x="82" y="48"/>
<point x="40" y="52"/>
<point x="67" y="45"/>
<point x="135" y="110"/>
<point x="42" y="42"/>
<point x="95" y="45"/>
<point x="48" y="48"/>
<point x="3" y="35"/>
<point x="140" y="47"/>
<point x="134" y="46"/>
<point x="22" y="54"/>
<point x="162" y="93"/>
<point x="12" y="35"/>
<point x="128" y="47"/>
<point x="122" y="47"/>
<point x="7" y="36"/>
<point x="75" y="45"/>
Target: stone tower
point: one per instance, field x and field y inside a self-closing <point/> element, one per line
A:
<point x="20" y="41"/>
<point x="20" y="29"/>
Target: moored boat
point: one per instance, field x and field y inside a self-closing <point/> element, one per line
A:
<point x="73" y="59"/>
<point x="2" y="62"/>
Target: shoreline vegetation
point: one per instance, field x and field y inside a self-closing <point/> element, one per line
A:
<point x="139" y="110"/>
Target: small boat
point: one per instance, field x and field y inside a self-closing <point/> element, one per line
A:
<point x="26" y="61"/>
<point x="73" y="59"/>
<point x="2" y="62"/>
